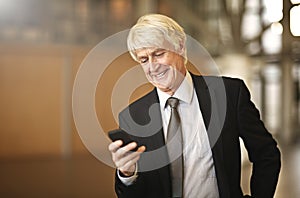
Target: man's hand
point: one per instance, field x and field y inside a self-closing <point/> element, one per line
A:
<point x="124" y="159"/>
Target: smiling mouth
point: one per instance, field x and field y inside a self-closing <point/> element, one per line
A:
<point x="160" y="75"/>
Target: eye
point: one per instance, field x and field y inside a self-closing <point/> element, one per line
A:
<point x="159" y="53"/>
<point x="143" y="60"/>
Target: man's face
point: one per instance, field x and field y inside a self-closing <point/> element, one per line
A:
<point x="163" y="68"/>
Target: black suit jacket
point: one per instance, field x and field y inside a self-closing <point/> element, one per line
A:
<point x="228" y="114"/>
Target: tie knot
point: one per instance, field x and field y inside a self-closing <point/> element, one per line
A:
<point x="173" y="102"/>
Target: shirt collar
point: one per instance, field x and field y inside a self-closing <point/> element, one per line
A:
<point x="184" y="92"/>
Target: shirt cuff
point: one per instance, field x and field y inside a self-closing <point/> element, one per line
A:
<point x="128" y="180"/>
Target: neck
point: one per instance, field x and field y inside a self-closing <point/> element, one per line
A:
<point x="174" y="89"/>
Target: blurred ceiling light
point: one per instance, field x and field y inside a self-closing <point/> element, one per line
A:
<point x="252" y="4"/>
<point x="250" y="26"/>
<point x="295" y="1"/>
<point x="271" y="43"/>
<point x="273" y="10"/>
<point x="276" y="28"/>
<point x="294" y="20"/>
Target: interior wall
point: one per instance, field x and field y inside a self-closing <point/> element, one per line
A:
<point x="36" y="85"/>
<point x="31" y="100"/>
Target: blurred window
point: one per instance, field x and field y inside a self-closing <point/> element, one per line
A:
<point x="295" y="1"/>
<point x="272" y="11"/>
<point x="294" y="20"/>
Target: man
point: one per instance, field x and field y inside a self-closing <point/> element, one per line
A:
<point x="211" y="114"/>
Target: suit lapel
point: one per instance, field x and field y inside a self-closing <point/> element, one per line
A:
<point x="208" y="105"/>
<point x="157" y="141"/>
<point x="202" y="92"/>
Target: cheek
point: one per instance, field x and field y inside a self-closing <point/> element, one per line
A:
<point x="145" y="69"/>
<point x="169" y="61"/>
<point x="166" y="62"/>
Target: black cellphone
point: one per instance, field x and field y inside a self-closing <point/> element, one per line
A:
<point x="119" y="134"/>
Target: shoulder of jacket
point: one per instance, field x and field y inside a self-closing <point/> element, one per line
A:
<point x="142" y="101"/>
<point x="217" y="80"/>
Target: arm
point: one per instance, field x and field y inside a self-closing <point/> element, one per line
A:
<point x="262" y="148"/>
<point x="125" y="161"/>
<point x="126" y="176"/>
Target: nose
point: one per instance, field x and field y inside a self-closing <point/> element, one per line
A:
<point x="152" y="63"/>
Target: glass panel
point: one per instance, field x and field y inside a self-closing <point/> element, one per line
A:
<point x="294" y="21"/>
<point x="271" y="42"/>
<point x="276" y="28"/>
<point x="272" y="77"/>
<point x="272" y="11"/>
<point x="250" y="25"/>
<point x="295" y="1"/>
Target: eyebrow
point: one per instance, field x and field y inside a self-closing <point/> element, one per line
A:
<point x="152" y="53"/>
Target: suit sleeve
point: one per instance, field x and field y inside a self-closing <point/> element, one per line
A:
<point x="136" y="188"/>
<point x="261" y="147"/>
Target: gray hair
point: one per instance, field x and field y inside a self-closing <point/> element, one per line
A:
<point x="154" y="30"/>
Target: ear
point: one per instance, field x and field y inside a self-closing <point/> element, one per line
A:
<point x="181" y="49"/>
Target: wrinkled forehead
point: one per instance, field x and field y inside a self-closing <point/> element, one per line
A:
<point x="149" y="47"/>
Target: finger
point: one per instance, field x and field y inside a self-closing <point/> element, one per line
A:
<point x="130" y="146"/>
<point x="120" y="153"/>
<point x="130" y="165"/>
<point x="127" y="158"/>
<point x="114" y="146"/>
<point x="125" y="150"/>
<point x="124" y="155"/>
<point x="141" y="149"/>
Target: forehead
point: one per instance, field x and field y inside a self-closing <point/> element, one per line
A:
<point x="152" y="47"/>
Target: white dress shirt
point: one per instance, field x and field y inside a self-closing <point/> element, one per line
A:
<point x="199" y="172"/>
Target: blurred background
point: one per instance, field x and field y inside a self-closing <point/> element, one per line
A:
<point x="43" y="42"/>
